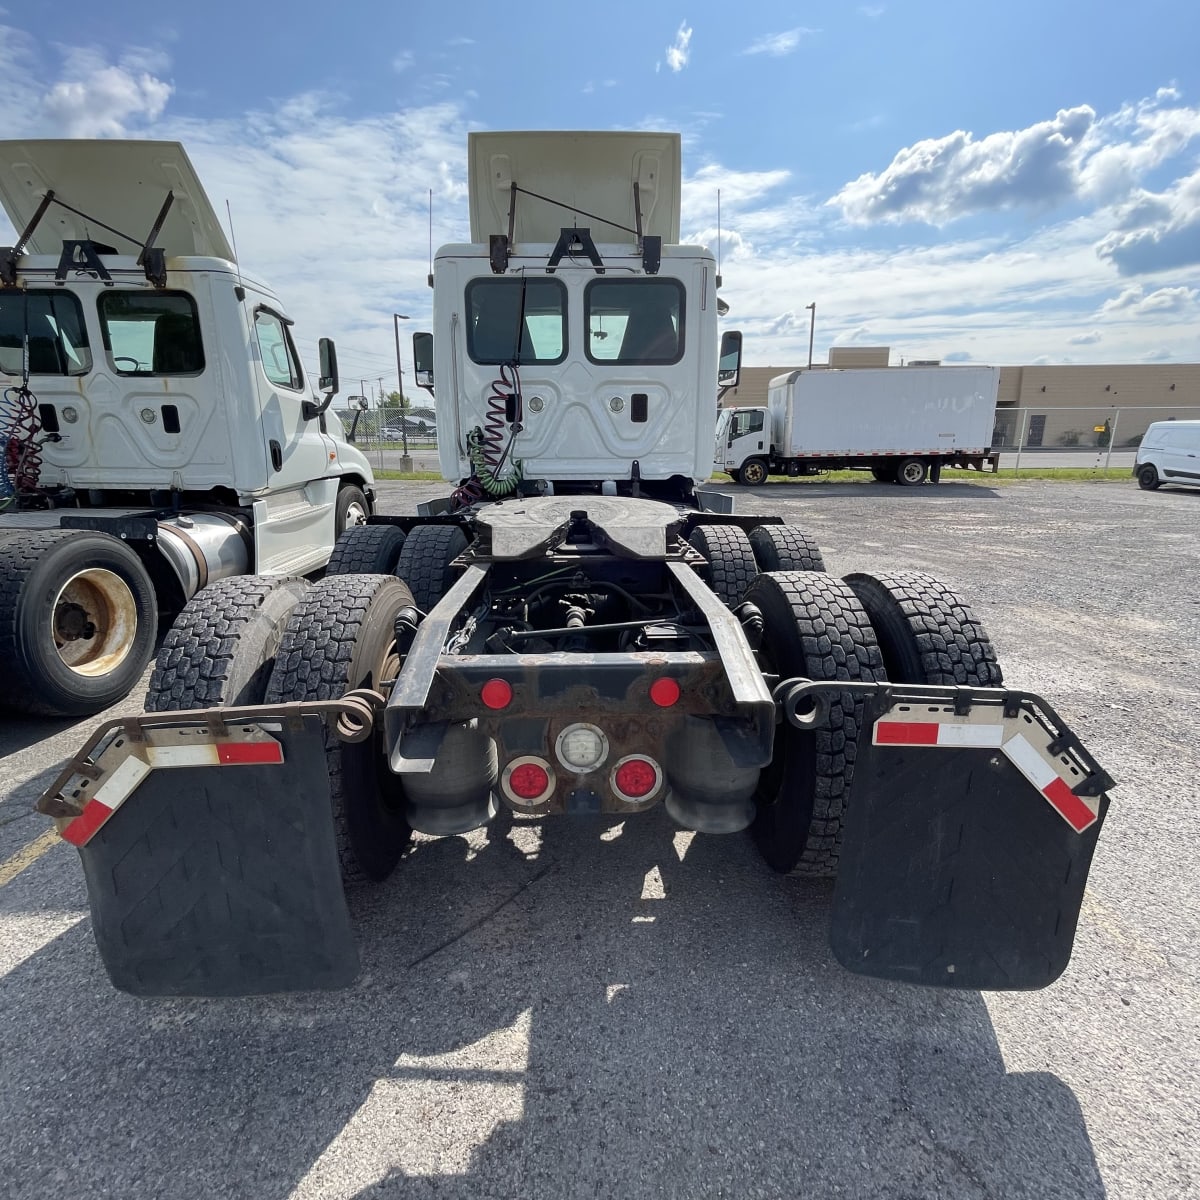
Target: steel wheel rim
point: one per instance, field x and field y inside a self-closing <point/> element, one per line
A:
<point x="356" y="514"/>
<point x="94" y="622"/>
<point x="753" y="473"/>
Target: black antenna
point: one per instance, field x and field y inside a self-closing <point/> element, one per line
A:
<point x="429" y="277"/>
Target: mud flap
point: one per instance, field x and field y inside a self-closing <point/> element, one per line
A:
<point x="210" y="881"/>
<point x="964" y="865"/>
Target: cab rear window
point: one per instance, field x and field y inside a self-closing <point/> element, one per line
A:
<point x="51" y="324"/>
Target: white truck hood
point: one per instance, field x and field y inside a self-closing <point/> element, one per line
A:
<point x="593" y="170"/>
<point x="121" y="183"/>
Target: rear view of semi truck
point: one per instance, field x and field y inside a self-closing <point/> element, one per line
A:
<point x="574" y="630"/>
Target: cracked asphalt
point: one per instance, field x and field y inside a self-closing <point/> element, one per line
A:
<point x="583" y="1009"/>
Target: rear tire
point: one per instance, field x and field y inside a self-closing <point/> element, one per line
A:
<point x="78" y="621"/>
<point x="754" y="472"/>
<point x="366" y="549"/>
<point x="1147" y="477"/>
<point x="927" y="632"/>
<point x="911" y="472"/>
<point x="340" y="637"/>
<point x="424" y="562"/>
<point x="816" y="628"/>
<point x="731" y="563"/>
<point x="221" y="649"/>
<point x="884" y="474"/>
<point x="785" y="548"/>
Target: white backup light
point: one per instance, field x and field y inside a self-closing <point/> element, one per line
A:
<point x="581" y="747"/>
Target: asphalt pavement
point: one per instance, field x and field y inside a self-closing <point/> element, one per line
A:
<point x="583" y="1009"/>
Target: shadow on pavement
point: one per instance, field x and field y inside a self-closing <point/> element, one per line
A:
<point x="590" y="1016"/>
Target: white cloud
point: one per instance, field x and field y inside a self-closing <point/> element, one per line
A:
<point x="1161" y="354"/>
<point x="403" y="60"/>
<point x="958" y="356"/>
<point x="1086" y="339"/>
<point x="1157" y="232"/>
<point x="678" y="52"/>
<point x="939" y="179"/>
<point x="95" y="99"/>
<point x="779" y="44"/>
<point x="1136" y="301"/>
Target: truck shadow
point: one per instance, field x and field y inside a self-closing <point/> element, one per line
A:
<point x="595" y="1011"/>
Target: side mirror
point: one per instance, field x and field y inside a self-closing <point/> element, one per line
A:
<point x="328" y="381"/>
<point x="423" y="361"/>
<point x="329" y="371"/>
<point x="730" y="363"/>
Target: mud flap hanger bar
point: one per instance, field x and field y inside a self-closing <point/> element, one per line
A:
<point x="1026" y="729"/>
<point x="151" y="258"/>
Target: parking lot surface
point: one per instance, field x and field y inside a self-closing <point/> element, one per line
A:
<point x="588" y="1009"/>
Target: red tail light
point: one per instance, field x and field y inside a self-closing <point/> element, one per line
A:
<point x="496" y="693"/>
<point x="528" y="781"/>
<point x="664" y="692"/>
<point x="636" y="778"/>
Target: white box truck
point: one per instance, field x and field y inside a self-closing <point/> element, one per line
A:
<point x="903" y="424"/>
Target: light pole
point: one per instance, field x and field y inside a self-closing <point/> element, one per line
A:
<point x="812" y="329"/>
<point x="405" y="461"/>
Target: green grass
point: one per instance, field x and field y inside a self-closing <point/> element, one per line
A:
<point x="412" y="476"/>
<point x="984" y="478"/>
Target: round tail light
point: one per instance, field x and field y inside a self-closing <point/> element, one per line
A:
<point x="528" y="781"/>
<point x="664" y="692"/>
<point x="636" y="777"/>
<point x="496" y="693"/>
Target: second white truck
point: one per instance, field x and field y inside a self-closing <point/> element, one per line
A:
<point x="903" y="424"/>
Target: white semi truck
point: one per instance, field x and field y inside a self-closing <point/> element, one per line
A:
<point x="158" y="429"/>
<point x="903" y="424"/>
<point x="596" y="641"/>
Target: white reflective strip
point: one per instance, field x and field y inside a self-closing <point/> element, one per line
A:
<point x="195" y="755"/>
<point x="970" y="735"/>
<point x="1029" y="762"/>
<point x="113" y="792"/>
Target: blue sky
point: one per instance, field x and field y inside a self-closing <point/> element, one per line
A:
<point x="1000" y="183"/>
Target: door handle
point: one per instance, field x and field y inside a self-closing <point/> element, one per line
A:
<point x="276" y="455"/>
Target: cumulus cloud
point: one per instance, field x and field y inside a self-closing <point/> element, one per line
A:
<point x="779" y="44"/>
<point x="1157" y="233"/>
<point x="97" y="99"/>
<point x="1162" y="354"/>
<point x="939" y="179"/>
<point x="1135" y="301"/>
<point x="678" y="51"/>
<point x="1085" y="339"/>
<point x="957" y="356"/>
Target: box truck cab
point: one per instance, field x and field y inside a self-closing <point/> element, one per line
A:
<point x="1169" y="453"/>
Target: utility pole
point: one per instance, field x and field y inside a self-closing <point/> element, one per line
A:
<point x="812" y="329"/>
<point x="405" y="461"/>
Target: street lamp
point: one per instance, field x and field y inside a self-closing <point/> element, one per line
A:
<point x="812" y="329"/>
<point x="405" y="461"/>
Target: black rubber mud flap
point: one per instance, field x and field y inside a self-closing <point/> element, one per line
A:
<point x="955" y="870"/>
<point x="212" y="881"/>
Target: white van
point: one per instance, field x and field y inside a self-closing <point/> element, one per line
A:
<point x="1169" y="453"/>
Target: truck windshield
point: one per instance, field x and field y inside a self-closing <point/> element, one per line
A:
<point x="496" y="308"/>
<point x="53" y="321"/>
<point x="151" y="333"/>
<point x="634" y="321"/>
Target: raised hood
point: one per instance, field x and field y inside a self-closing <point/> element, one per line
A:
<point x="591" y="172"/>
<point x="121" y="183"/>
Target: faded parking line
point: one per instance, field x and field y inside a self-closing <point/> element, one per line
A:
<point x="27" y="856"/>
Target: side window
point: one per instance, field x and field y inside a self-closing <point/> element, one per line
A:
<point x="151" y="333"/>
<point x="280" y="363"/>
<point x="53" y="324"/>
<point x="497" y="308"/>
<point x="634" y="321"/>
<point x="748" y="422"/>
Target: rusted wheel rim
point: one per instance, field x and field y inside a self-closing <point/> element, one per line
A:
<point x="94" y="622"/>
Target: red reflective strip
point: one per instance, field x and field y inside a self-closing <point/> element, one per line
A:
<point x="1072" y="808"/>
<point x="906" y="733"/>
<point x="230" y="754"/>
<point x="80" y="830"/>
